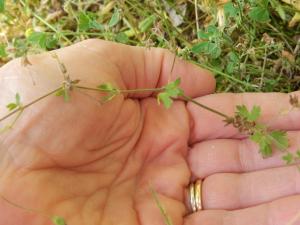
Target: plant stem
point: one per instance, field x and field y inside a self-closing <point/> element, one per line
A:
<point x="185" y="97"/>
<point x="189" y="99"/>
<point x="197" y="17"/>
<point x="29" y="104"/>
<point x="223" y="74"/>
<point x="121" y="91"/>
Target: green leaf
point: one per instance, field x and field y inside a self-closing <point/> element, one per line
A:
<point x="280" y="139"/>
<point x="2" y="50"/>
<point x="242" y="111"/>
<point x="58" y="220"/>
<point x="87" y="21"/>
<point x="298" y="153"/>
<point x="60" y="92"/>
<point x="51" y="42"/>
<point x="83" y="22"/>
<point x="233" y="57"/>
<point x="263" y="142"/>
<point x="230" y="9"/>
<point x="259" y="14"/>
<point x="254" y="114"/>
<point x="2" y="6"/>
<point x="95" y="25"/>
<point x="209" y="48"/>
<point x="288" y="158"/>
<point x="122" y="38"/>
<point x="11" y="106"/>
<point x="66" y="95"/>
<point x="213" y="31"/>
<point x="38" y="38"/>
<point x="173" y="90"/>
<point x="230" y="67"/>
<point x="18" y="99"/>
<point x="249" y="116"/>
<point x="279" y="9"/>
<point x="147" y="23"/>
<point x="165" y="99"/>
<point x="114" y="20"/>
<point x="203" y="35"/>
<point x="173" y="84"/>
<point x="107" y="87"/>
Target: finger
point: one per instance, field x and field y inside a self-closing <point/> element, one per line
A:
<point x="285" y="211"/>
<point x="233" y="191"/>
<point x="275" y="107"/>
<point x="151" y="68"/>
<point x="235" y="156"/>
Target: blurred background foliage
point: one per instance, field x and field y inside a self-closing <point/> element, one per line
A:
<point x="250" y="45"/>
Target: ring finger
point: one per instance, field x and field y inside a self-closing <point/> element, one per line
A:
<point x="235" y="191"/>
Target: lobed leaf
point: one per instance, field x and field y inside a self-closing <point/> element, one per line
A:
<point x="263" y="142"/>
<point x="280" y="139"/>
<point x="254" y="114"/>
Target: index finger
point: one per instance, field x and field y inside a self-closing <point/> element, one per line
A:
<point x="276" y="113"/>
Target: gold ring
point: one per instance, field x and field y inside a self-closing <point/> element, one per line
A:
<point x="195" y="196"/>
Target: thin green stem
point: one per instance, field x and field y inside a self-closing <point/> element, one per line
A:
<point x="189" y="99"/>
<point x="223" y="74"/>
<point x="121" y="91"/>
<point x="29" y="104"/>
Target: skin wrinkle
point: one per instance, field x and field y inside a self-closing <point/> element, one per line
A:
<point x="122" y="169"/>
<point x="86" y="209"/>
<point x="137" y="114"/>
<point x="245" y="160"/>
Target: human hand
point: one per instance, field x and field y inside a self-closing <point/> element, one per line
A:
<point x="94" y="164"/>
<point x="240" y="187"/>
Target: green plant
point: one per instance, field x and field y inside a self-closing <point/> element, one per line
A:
<point x="245" y="120"/>
<point x="239" y="53"/>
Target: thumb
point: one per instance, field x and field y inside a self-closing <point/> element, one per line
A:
<point x="152" y="67"/>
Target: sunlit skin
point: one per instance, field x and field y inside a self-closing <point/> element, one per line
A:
<point x="95" y="164"/>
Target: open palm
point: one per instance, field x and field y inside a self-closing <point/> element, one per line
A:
<point x="92" y="163"/>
